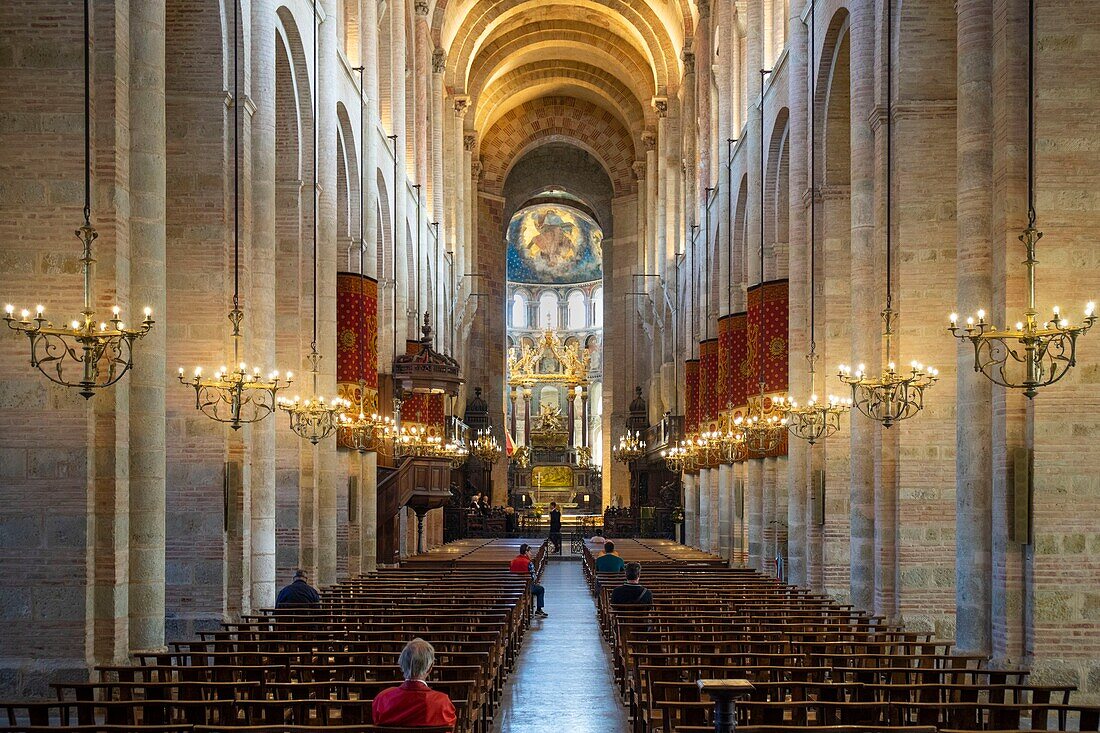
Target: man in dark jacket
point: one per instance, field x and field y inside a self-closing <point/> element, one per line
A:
<point x="298" y="594"/>
<point x="555" y="527"/>
<point x="632" y="592"/>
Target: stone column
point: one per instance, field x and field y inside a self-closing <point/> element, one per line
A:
<point x="770" y="519"/>
<point x="705" y="510"/>
<point x="260" y="315"/>
<point x="147" y="283"/>
<point x="526" y="416"/>
<point x="689" y="129"/>
<point x="798" y="452"/>
<point x="725" y="510"/>
<point x="571" y="412"/>
<point x="400" y="188"/>
<point x="512" y="414"/>
<point x="368" y="44"/>
<point x="754" y="511"/>
<point x="422" y="88"/>
<point x="326" y="462"/>
<point x="866" y="304"/>
<point x="715" y="514"/>
<point x="974" y="433"/>
<point x="661" y="224"/>
<point x="584" y="417"/>
<point x="691" y="534"/>
<point x="435" y="189"/>
<point x="461" y="183"/>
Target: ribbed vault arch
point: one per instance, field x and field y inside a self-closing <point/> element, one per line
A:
<point x="566" y="119"/>
<point x="632" y="21"/>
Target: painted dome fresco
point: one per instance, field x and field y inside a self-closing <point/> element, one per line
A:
<point x="554" y="244"/>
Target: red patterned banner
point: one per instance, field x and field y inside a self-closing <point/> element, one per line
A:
<point x="767" y="323"/>
<point x="708" y="382"/>
<point x="767" y="346"/>
<point x="425" y="410"/>
<point x="738" y="362"/>
<point x="722" y="386"/>
<point x="356" y="328"/>
<point x="691" y="389"/>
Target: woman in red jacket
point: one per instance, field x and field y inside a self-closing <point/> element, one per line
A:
<point x="414" y="703"/>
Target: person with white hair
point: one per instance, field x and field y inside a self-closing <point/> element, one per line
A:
<point x="413" y="703"/>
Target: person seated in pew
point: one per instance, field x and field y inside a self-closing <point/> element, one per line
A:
<point x="299" y="594"/>
<point x="414" y="704"/>
<point x="608" y="560"/>
<point x="522" y="564"/>
<point x="632" y="592"/>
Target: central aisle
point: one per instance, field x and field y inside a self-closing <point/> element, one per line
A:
<point x="563" y="680"/>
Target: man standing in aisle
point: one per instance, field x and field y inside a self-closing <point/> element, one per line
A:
<point x="555" y="527"/>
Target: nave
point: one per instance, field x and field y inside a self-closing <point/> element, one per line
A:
<point x="801" y="661"/>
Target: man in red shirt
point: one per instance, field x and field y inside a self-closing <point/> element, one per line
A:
<point x="414" y="704"/>
<point x="522" y="565"/>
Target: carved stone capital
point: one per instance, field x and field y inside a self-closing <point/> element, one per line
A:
<point x="420" y="7"/>
<point x="462" y="103"/>
<point x="439" y="61"/>
<point x="688" y="57"/>
<point x="639" y="169"/>
<point x="649" y="140"/>
<point x="475" y="170"/>
<point x="469" y="142"/>
<point x="660" y="104"/>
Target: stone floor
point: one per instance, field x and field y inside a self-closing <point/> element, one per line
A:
<point x="563" y="681"/>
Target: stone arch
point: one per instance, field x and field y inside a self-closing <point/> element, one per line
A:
<point x="833" y="104"/>
<point x="555" y="77"/>
<point x="558" y="119"/>
<point x="740" y="240"/>
<point x="629" y="19"/>
<point x="776" y="197"/>
<point x="566" y="167"/>
<point x="348" y="212"/>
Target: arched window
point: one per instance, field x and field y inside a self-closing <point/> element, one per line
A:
<point x="597" y="307"/>
<point x="548" y="310"/>
<point x="519" y="311"/>
<point x="575" y="316"/>
<point x="549" y="396"/>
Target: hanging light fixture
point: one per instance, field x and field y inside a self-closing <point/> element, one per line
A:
<point x="360" y="429"/>
<point x="893" y="395"/>
<point x="485" y="447"/>
<point x="86" y="355"/>
<point x="814" y="420"/>
<point x="682" y="456"/>
<point x="236" y="396"/>
<point x="1034" y="354"/>
<point x="315" y="418"/>
<point x="763" y="429"/>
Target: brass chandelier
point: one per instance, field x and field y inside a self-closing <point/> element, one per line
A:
<point x="814" y="420"/>
<point x="631" y="447"/>
<point x="763" y="429"/>
<point x="728" y="441"/>
<point x="1034" y="354"/>
<point x="485" y="447"/>
<point x="84" y="355"/>
<point x="893" y="395"/>
<point x="236" y="396"/>
<point x="315" y="418"/>
<point x="680" y="457"/>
